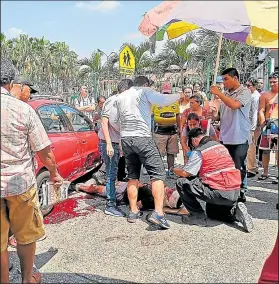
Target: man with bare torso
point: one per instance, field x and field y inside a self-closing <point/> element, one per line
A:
<point x="264" y="114"/>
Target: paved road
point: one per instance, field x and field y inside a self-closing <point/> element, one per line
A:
<point x="83" y="245"/>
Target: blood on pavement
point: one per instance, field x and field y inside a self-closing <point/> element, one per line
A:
<point x="69" y="209"/>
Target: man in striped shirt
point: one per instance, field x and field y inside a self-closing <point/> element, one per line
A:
<point x="84" y="103"/>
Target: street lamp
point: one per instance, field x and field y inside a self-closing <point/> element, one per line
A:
<point x="107" y="57"/>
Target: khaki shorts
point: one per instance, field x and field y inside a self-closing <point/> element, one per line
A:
<point x="21" y="213"/>
<point x="167" y="144"/>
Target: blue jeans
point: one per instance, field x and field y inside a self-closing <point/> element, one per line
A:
<point x="111" y="170"/>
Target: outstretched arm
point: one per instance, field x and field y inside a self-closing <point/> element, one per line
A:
<point x="157" y="98"/>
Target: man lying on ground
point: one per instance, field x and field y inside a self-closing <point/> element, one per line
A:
<point x="210" y="177"/>
<point x="145" y="201"/>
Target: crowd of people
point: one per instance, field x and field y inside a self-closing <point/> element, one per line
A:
<point x="151" y="124"/>
<point x="223" y="141"/>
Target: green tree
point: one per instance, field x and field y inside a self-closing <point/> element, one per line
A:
<point x="233" y="54"/>
<point x="179" y="53"/>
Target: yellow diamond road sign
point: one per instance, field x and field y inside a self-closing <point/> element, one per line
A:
<point x="126" y="61"/>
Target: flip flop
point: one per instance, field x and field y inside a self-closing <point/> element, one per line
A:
<point x="263" y="177"/>
<point x="12" y="241"/>
<point x="36" y="278"/>
<point x="42" y="238"/>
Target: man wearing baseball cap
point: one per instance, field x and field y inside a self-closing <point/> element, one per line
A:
<point x="22" y="88"/>
<point x="166" y="120"/>
<point x="219" y="83"/>
<point x="210" y="177"/>
<point x="21" y="130"/>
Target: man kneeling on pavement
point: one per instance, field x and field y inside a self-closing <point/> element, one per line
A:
<point x="210" y="178"/>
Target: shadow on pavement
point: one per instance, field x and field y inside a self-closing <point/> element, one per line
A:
<point x="45" y="257"/>
<point x="78" y="278"/>
<point x="266" y="198"/>
<point x="262" y="210"/>
<point x="74" y="278"/>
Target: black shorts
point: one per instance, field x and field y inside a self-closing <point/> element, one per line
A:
<point x="140" y="151"/>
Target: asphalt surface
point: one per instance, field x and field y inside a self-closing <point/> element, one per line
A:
<point x="83" y="245"/>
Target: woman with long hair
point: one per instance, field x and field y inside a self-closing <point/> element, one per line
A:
<point x="194" y="121"/>
<point x="195" y="107"/>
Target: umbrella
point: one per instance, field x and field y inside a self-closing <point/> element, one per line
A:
<point x="253" y="22"/>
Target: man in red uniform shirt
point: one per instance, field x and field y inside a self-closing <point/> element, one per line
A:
<point x="210" y="177"/>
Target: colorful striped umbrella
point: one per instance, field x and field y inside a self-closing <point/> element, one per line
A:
<point x="253" y="22"/>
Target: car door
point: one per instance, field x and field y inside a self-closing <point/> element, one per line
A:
<point x="65" y="144"/>
<point x="88" y="139"/>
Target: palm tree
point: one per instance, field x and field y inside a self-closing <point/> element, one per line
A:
<point x="233" y="54"/>
<point x="90" y="71"/>
<point x="51" y="66"/>
<point x="178" y="53"/>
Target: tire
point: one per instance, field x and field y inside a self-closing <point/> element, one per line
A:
<point x="42" y="178"/>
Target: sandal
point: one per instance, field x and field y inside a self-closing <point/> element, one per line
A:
<point x="36" y="278"/>
<point x="12" y="241"/>
<point x="263" y="177"/>
<point x="42" y="238"/>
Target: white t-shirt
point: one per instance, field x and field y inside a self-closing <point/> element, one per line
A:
<point x="254" y="109"/>
<point x="110" y="111"/>
<point x="134" y="110"/>
<point x="88" y="101"/>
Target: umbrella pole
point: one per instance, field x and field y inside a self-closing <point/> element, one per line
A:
<point x="215" y="75"/>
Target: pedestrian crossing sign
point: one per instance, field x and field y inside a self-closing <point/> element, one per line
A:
<point x="127" y="61"/>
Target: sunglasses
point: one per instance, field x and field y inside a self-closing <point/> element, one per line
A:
<point x="248" y="85"/>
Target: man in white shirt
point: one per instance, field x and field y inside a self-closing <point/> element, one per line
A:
<point x="139" y="148"/>
<point x="84" y="103"/>
<point x="252" y="166"/>
<point x="109" y="135"/>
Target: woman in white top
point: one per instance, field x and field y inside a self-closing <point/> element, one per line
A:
<point x="197" y="91"/>
<point x="185" y="103"/>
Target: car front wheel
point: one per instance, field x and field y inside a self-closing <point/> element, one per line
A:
<point x="43" y="178"/>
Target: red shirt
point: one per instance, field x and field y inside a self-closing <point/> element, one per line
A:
<point x="187" y="111"/>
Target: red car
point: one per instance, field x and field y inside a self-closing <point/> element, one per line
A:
<point x="74" y="141"/>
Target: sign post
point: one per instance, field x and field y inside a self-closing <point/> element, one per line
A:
<point x="127" y="61"/>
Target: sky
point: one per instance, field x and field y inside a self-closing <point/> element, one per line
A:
<point x="84" y="25"/>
